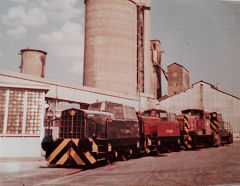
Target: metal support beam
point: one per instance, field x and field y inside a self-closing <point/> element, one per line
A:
<point x="140" y="48"/>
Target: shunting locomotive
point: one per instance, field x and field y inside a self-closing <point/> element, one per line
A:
<point x="195" y="129"/>
<point x="103" y="132"/>
<point x="160" y="131"/>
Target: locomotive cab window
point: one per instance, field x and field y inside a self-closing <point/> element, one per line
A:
<point x="163" y="115"/>
<point x="95" y="107"/>
<point x="115" y="109"/>
<point x="146" y="113"/>
<point x="129" y="113"/>
<point x="172" y="117"/>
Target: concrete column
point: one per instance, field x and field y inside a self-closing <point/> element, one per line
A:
<point x="6" y="112"/>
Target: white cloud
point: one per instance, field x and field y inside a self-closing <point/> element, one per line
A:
<point x="19" y="1"/>
<point x="18" y="15"/>
<point x="61" y="10"/>
<point x="66" y="45"/>
<point x="18" y="31"/>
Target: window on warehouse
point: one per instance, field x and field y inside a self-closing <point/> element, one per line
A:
<point x="34" y="107"/>
<point x="15" y="112"/>
<point x="21" y="111"/>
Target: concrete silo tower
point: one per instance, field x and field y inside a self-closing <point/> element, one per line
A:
<point x="33" y="62"/>
<point x="117" y="42"/>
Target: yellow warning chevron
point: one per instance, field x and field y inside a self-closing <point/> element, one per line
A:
<point x="76" y="157"/>
<point x="58" y="150"/>
<point x="149" y="142"/>
<point x="90" y="158"/>
<point x="63" y="159"/>
<point x="94" y="145"/>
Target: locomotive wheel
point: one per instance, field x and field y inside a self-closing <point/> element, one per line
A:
<point x="170" y="148"/>
<point x="176" y="147"/>
<point x="109" y="158"/>
<point x="136" y="153"/>
<point x="158" y="151"/>
<point x="123" y="155"/>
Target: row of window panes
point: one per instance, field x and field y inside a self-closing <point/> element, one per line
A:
<point x="32" y="128"/>
<point x="38" y="98"/>
<point x="16" y="104"/>
<point x="14" y="132"/>
<point x="33" y="110"/>
<point x="31" y="123"/>
<point x="33" y="114"/>
<point x="34" y="107"/>
<point x="34" y="132"/>
<point x="17" y="98"/>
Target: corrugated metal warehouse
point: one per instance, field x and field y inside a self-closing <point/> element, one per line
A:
<point x="203" y="95"/>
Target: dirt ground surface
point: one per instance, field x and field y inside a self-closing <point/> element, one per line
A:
<point x="210" y="166"/>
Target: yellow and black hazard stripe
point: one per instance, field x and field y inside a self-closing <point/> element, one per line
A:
<point x="187" y="138"/>
<point x="186" y="125"/>
<point x="67" y="152"/>
<point x="214" y="125"/>
<point x="148" y="143"/>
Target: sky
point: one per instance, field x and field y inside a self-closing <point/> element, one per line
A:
<point x="201" y="35"/>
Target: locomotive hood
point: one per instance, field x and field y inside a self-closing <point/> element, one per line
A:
<point x="98" y="116"/>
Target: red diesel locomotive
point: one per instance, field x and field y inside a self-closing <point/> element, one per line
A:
<point x="160" y="131"/>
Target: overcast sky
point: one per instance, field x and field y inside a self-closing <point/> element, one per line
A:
<point x="202" y="35"/>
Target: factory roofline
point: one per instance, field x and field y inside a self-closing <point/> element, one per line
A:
<point x="24" y="86"/>
<point x="178" y="65"/>
<point x="201" y="81"/>
<point x="49" y="82"/>
<point x="213" y="87"/>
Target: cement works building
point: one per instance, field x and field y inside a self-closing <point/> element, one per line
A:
<point x="24" y="99"/>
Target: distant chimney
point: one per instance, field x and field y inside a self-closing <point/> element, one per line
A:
<point x="33" y="62"/>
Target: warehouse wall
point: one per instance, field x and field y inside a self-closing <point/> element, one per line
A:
<point x="205" y="96"/>
<point x="21" y="120"/>
<point x="20" y="147"/>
